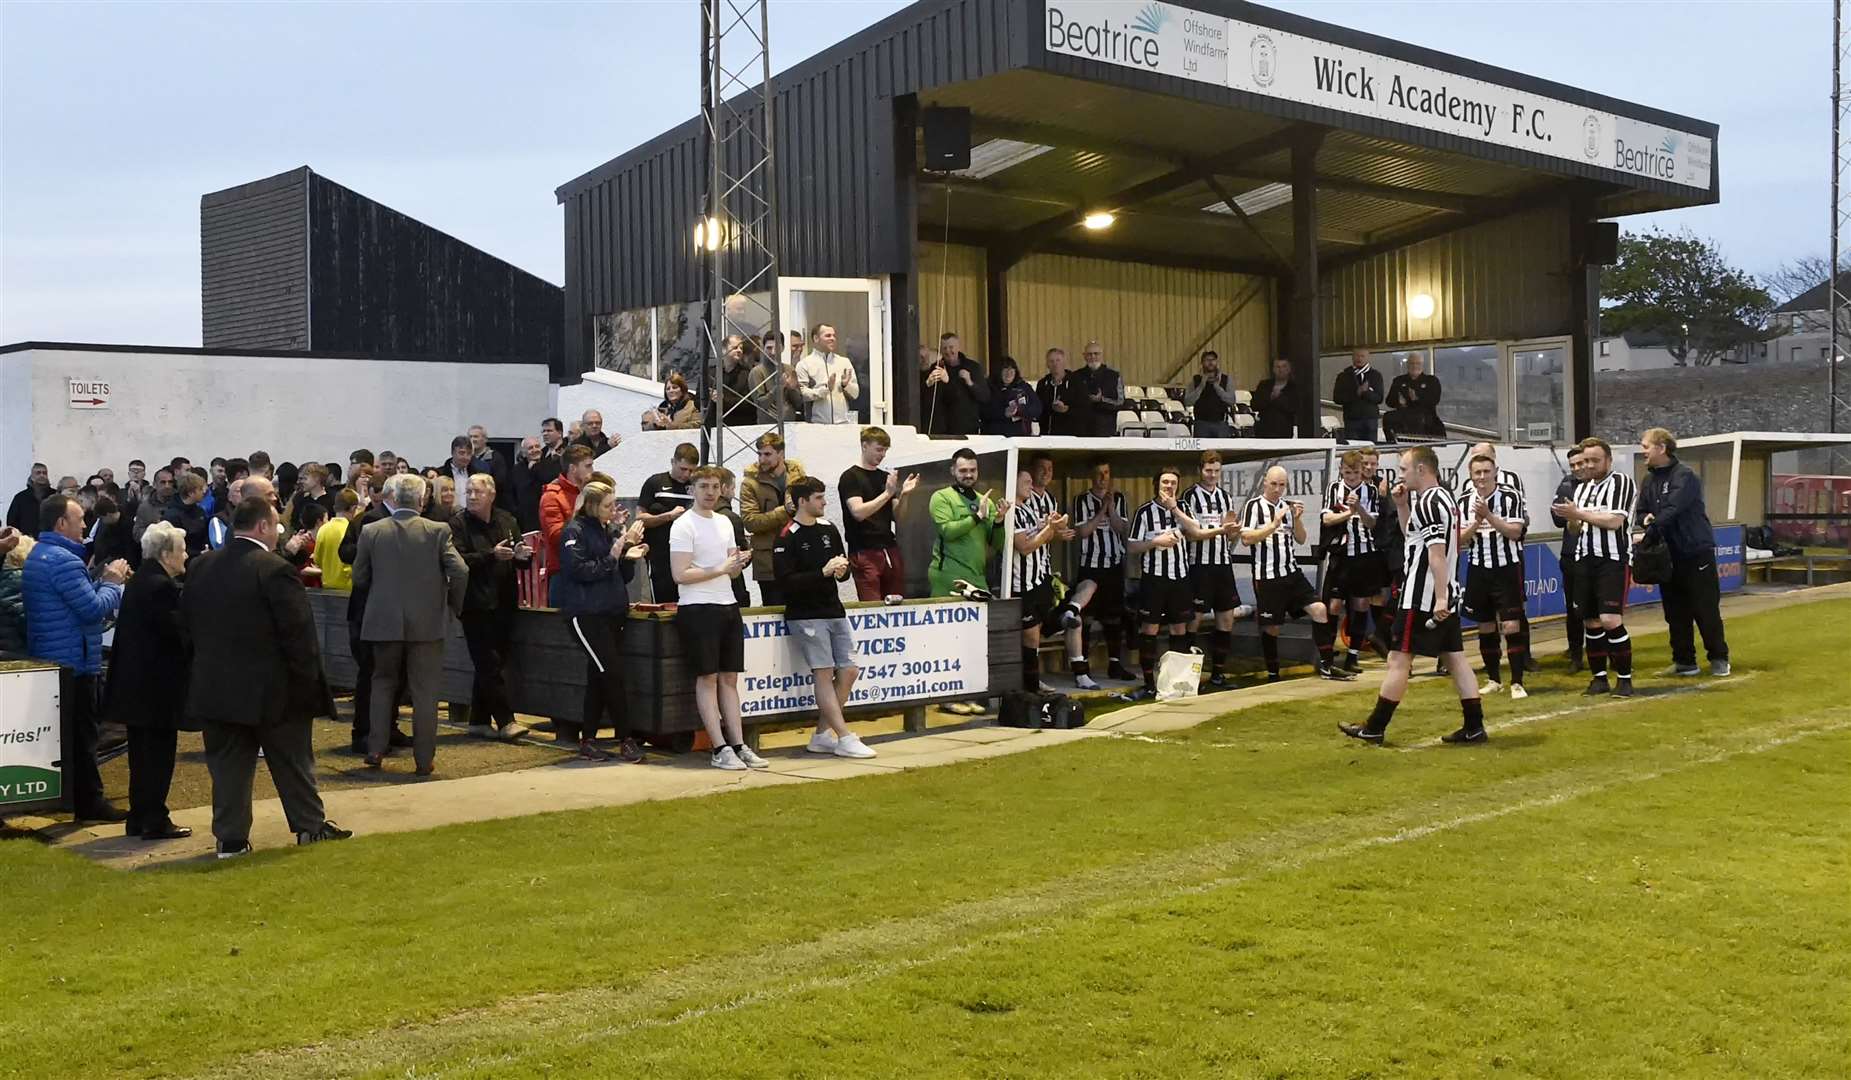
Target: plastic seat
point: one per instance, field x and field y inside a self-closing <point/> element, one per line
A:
<point x="1175" y="393"/>
<point x="1153" y="421"/>
<point x="1243" y="425"/>
<point x="1333" y="425"/>
<point x="1133" y="393"/>
<point x="1177" y="430"/>
<point x="1243" y="399"/>
<point x="1129" y="424"/>
<point x="1172" y="409"/>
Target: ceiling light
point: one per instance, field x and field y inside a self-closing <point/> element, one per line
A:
<point x="708" y="234"/>
<point x="993" y="156"/>
<point x="1420" y="306"/>
<point x="1259" y="200"/>
<point x="1099" y="219"/>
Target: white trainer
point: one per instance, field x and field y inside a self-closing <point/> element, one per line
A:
<point x="851" y="746"/>
<point x="724" y="758"/>
<point x="1517" y="692"/>
<point x="1489" y="688"/>
<point x="751" y="758"/>
<point x="1085" y="682"/>
<point x="823" y="742"/>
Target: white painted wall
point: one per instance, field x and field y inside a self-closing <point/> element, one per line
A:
<point x="621" y="399"/>
<point x="201" y="406"/>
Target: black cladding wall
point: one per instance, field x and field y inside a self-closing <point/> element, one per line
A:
<point x="629" y="222"/>
<point x="297" y="261"/>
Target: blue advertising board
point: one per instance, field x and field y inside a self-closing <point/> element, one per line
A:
<point x="1542" y="575"/>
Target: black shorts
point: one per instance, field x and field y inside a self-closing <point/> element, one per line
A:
<point x="1038" y="604"/>
<point x="1109" y="594"/>
<point x="1278" y="600"/>
<point x="1600" y="587"/>
<point x="1165" y="601"/>
<point x="1409" y="633"/>
<point x="1214" y="588"/>
<point x="1494" y="593"/>
<point x="713" y="637"/>
<point x="1359" y="577"/>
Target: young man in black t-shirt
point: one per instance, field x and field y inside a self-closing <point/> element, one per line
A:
<point x="665" y="497"/>
<point x="809" y="560"/>
<point x="871" y="496"/>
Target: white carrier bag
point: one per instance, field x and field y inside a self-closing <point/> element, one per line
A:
<point x="1179" y="675"/>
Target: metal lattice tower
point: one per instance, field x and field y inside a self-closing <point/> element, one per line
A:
<point x="736" y="237"/>
<point x="1838" y="306"/>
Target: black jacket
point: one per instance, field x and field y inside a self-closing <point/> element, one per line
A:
<point x="954" y="408"/>
<point x="1360" y="401"/>
<point x="256" y="660"/>
<point x="799" y="556"/>
<point x="1673" y="495"/>
<point x="496" y="467"/>
<point x="591" y="582"/>
<point x="148" y="662"/>
<point x="1419" y="402"/>
<point x="23" y="513"/>
<point x="1564" y="492"/>
<point x="1277" y="418"/>
<point x="1053" y="421"/>
<point x="1099" y="419"/>
<point x="190" y="520"/>
<point x="350" y="554"/>
<point x="491" y="580"/>
<point x="527" y="481"/>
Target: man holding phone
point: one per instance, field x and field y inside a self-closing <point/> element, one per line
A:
<point x="489" y="540"/>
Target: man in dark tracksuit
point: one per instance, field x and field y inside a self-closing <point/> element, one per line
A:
<point x="1565" y="492"/>
<point x="1670" y="506"/>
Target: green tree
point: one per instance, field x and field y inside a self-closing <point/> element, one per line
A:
<point x="1679" y="287"/>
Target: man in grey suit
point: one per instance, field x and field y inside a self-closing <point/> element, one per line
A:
<point x="410" y="570"/>
<point x="256" y="680"/>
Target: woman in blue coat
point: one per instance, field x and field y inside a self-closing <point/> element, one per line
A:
<point x="1014" y="406"/>
<point x="597" y="556"/>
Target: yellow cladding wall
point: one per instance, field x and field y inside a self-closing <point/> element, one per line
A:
<point x="1151" y="319"/>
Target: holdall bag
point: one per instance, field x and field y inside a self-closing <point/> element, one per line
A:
<point x="1020" y="709"/>
<point x="1062" y="712"/>
<point x="1651" y="560"/>
<point x="1179" y="675"/>
<point x="1025" y="709"/>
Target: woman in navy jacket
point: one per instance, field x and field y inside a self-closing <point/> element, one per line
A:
<point x="1013" y="406"/>
<point x="597" y="560"/>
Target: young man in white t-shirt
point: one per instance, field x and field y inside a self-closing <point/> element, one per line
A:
<point x="705" y="559"/>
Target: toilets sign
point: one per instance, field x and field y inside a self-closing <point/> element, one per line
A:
<point x="89" y="394"/>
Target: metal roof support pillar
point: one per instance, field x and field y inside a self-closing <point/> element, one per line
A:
<point x="903" y="284"/>
<point x="1583" y="313"/>
<point x="1306" y="326"/>
<point x="997" y="259"/>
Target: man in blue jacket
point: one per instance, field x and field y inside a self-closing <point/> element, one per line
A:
<point x="1670" y="506"/>
<point x="64" y="624"/>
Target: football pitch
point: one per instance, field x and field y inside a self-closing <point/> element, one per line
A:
<point x="1653" y="887"/>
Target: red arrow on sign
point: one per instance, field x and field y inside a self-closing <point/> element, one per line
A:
<point x="87" y="401"/>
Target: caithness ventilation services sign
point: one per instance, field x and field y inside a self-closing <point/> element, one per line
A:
<point x="1172" y="40"/>
<point x="907" y="652"/>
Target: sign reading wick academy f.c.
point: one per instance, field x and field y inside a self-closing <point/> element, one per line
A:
<point x="1168" y="39"/>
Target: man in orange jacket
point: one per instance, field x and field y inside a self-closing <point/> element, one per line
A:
<point x="557" y="501"/>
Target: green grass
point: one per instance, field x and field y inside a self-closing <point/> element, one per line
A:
<point x="1654" y="888"/>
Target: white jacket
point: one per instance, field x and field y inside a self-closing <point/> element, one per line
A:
<point x="813" y="373"/>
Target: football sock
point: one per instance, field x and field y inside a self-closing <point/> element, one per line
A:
<point x="1182" y="642"/>
<point x="1384" y="712"/>
<point x="1619" y="651"/>
<point x="1218" y="644"/>
<point x="1031" y="670"/>
<point x="1325" y="635"/>
<point x="1147" y="651"/>
<point x="1474" y="710"/>
<point x="1595" y="642"/>
<point x="1114" y="642"/>
<point x="1518" y="646"/>
<point x="1079" y="667"/>
<point x="1269" y="648"/>
<point x="1575" y="634"/>
<point x="1488" y="651"/>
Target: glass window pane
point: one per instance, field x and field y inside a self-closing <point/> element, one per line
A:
<point x="847" y="311"/>
<point x="1542" y="394"/>
<point x="1469" y="383"/>
<point x="621" y="342"/>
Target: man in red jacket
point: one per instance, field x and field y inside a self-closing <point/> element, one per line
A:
<point x="557" y="502"/>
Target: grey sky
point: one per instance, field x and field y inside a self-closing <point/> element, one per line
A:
<point x="115" y="118"/>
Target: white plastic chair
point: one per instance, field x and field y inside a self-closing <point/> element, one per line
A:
<point x="1133" y="393"/>
<point x="1130" y="425"/>
<point x="1243" y="425"/>
<point x="1243" y="397"/>
<point x="1333" y="425"/>
<point x="1153" y="422"/>
<point x="1177" y="430"/>
<point x="1172" y="410"/>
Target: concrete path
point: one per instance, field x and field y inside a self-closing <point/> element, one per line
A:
<point x="414" y="804"/>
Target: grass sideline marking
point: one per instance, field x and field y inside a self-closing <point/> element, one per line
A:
<point x="868" y="950"/>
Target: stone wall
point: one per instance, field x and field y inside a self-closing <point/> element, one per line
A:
<point x="1709" y="401"/>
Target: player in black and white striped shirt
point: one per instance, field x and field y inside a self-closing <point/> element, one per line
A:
<point x="1493" y="535"/>
<point x="1031" y="571"/>
<point x="1505" y="479"/>
<point x="1159" y="542"/>
<point x="1271" y="526"/>
<point x="1427" y="620"/>
<point x="1603" y="504"/>
<point x="1100" y="520"/>
<point x="1211" y="559"/>
<point x="1357" y="582"/>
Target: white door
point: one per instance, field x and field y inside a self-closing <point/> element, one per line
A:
<point x="1541" y="401"/>
<point x="857" y="308"/>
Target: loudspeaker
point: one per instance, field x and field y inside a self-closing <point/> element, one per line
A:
<point x="1603" y="242"/>
<point x="947" y="139"/>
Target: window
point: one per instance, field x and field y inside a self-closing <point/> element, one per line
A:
<point x="1606" y="348"/>
<point x="1470" y="378"/>
<point x="1541" y="407"/>
<point x="648" y="343"/>
<point x="624" y="343"/>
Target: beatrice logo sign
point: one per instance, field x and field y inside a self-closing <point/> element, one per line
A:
<point x="1188" y="44"/>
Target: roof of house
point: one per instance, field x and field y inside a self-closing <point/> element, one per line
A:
<point x="1814" y="299"/>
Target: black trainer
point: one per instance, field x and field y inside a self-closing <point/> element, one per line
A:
<point x="1273" y="676"/>
<point x="1333" y="673"/>
<point x="328" y="831"/>
<point x="1596" y="686"/>
<point x="1358" y="731"/>
<point x="1118" y="671"/>
<point x="232" y="851"/>
<point x="1464" y="736"/>
<point x="1352" y="661"/>
<point x="1218" y="681"/>
<point x="1576" y="665"/>
<point x="1622" y="687"/>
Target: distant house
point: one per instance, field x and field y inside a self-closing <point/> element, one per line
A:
<point x="1648" y="352"/>
<point x="1802" y="322"/>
